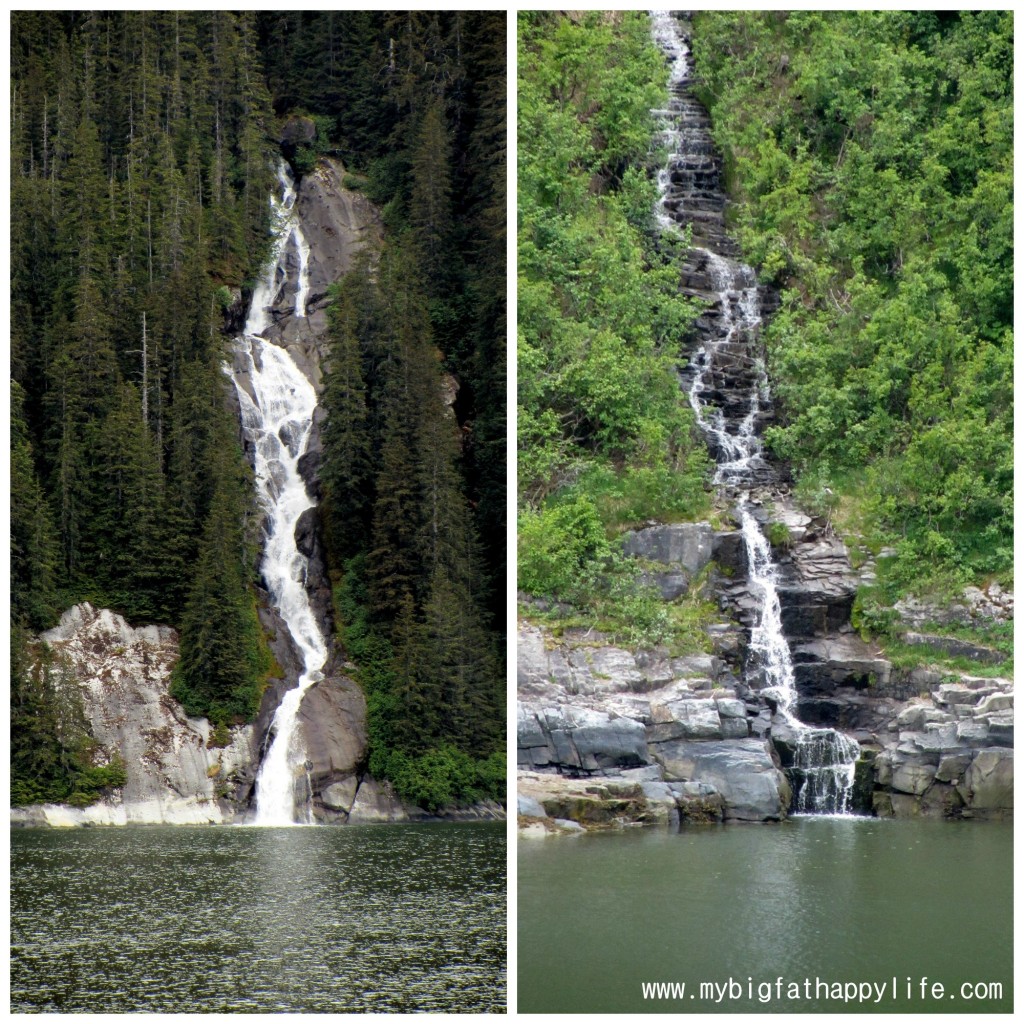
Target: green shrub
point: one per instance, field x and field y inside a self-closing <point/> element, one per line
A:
<point x="562" y="547"/>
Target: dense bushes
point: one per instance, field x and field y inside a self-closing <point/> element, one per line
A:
<point x="872" y="156"/>
<point x="605" y="439"/>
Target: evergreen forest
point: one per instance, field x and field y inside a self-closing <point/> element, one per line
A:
<point x="868" y="160"/>
<point x="143" y="147"/>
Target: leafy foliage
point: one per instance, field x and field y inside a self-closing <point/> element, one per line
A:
<point x="605" y="438"/>
<point x="872" y="156"/>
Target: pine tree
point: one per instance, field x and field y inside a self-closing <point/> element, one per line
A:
<point x="33" y="540"/>
<point x="430" y="212"/>
<point x="223" y="662"/>
<point x="345" y="471"/>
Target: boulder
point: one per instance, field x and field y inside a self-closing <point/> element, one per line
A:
<point x="952" y="767"/>
<point x="332" y="722"/>
<point x="297" y="130"/>
<point x="742" y="771"/>
<point x="987" y="785"/>
<point x="339" y="796"/>
<point x="376" y="802"/>
<point x="530" y="807"/>
<point x="912" y="777"/>
<point x="687" y="545"/>
<point x="685" y="719"/>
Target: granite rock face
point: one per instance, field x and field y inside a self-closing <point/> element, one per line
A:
<point x="332" y="720"/>
<point x="174" y="774"/>
<point x="608" y="736"/>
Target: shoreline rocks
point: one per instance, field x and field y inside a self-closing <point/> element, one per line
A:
<point x="610" y="738"/>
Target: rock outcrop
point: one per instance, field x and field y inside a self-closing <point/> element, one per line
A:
<point x="608" y="737"/>
<point x="175" y="773"/>
<point x="337" y="224"/>
<point x="333" y="723"/>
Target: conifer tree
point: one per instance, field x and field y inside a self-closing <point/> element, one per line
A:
<point x="346" y="467"/>
<point x="223" y="664"/>
<point x="33" y="543"/>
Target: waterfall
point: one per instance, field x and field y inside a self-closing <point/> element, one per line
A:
<point x="277" y="416"/>
<point x="727" y="386"/>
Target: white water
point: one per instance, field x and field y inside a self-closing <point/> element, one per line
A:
<point x="824" y="760"/>
<point x="278" y="424"/>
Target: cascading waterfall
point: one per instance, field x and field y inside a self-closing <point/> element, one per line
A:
<point x="691" y="195"/>
<point x="277" y="416"/>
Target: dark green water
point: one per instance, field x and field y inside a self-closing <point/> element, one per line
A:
<point x="840" y="900"/>
<point x="220" y="919"/>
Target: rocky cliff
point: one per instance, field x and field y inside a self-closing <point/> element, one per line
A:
<point x="177" y="770"/>
<point x="608" y="736"/>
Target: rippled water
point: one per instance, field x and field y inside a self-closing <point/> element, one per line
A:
<point x="837" y="899"/>
<point x="219" y="919"/>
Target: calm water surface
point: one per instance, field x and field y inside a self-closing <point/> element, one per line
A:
<point x="841" y="900"/>
<point x="221" y="919"/>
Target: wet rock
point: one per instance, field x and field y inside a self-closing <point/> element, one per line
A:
<point x="816" y="588"/>
<point x="332" y="720"/>
<point x="729" y="551"/>
<point x="742" y="771"/>
<point x="567" y="825"/>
